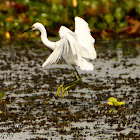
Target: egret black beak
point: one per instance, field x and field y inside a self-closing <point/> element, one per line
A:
<point x="27" y="30"/>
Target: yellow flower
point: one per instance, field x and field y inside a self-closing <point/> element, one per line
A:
<point x="7" y="35"/>
<point x="74" y="3"/>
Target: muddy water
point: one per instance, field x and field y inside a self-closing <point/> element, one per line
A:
<point x="30" y="109"/>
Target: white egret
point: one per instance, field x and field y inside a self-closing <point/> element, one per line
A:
<point x="76" y="48"/>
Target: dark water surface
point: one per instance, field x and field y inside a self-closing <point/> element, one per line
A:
<point x="30" y="109"/>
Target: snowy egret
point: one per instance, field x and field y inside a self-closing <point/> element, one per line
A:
<point x="76" y="48"/>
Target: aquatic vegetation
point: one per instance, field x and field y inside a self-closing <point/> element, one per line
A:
<point x="113" y="101"/>
<point x="31" y="102"/>
<point x="107" y="18"/>
<point x="1" y="95"/>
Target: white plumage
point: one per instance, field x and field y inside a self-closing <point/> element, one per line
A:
<point x="74" y="47"/>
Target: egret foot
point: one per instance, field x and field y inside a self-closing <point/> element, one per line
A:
<point x="64" y="91"/>
<point x="58" y="89"/>
<point x="68" y="85"/>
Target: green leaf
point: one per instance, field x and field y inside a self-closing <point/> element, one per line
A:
<point x="109" y="18"/>
<point x="112" y="99"/>
<point x="112" y="111"/>
<point x="2" y="94"/>
<point x="121" y="103"/>
<point x="119" y="13"/>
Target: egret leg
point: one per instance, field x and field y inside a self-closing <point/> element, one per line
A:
<point x="58" y="89"/>
<point x="71" y="84"/>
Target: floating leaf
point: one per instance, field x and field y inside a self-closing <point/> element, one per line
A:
<point x="2" y="94"/>
<point x="112" y="111"/>
<point x="121" y="103"/>
<point x="113" y="101"/>
<point x="109" y="103"/>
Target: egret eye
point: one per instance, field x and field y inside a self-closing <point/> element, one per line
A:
<point x="32" y="27"/>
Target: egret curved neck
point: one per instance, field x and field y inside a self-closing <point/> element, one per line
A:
<point x="45" y="40"/>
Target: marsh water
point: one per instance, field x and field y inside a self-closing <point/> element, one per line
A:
<point x="30" y="109"/>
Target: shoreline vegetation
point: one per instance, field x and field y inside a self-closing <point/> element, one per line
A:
<point x="108" y="19"/>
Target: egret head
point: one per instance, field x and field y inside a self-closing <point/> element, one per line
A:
<point x="35" y="26"/>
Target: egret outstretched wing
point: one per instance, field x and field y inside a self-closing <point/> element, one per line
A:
<point x="63" y="31"/>
<point x="67" y="46"/>
<point x="84" y="38"/>
<point x="54" y="57"/>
